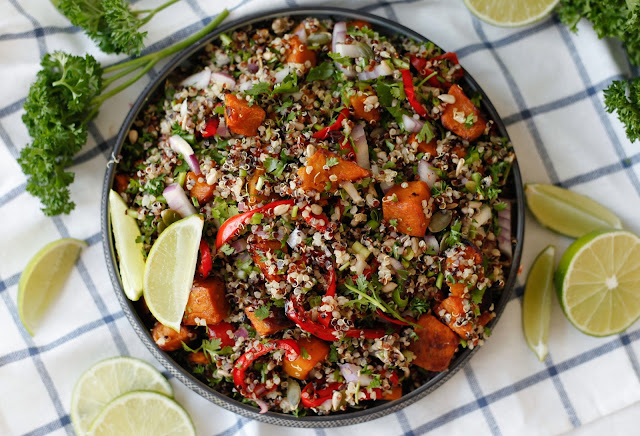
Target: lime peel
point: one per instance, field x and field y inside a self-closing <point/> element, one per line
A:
<point x="43" y="278"/>
<point x="568" y="212"/>
<point x="536" y="304"/>
<point x="598" y="282"/>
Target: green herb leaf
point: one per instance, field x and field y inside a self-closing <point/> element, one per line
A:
<point x="323" y="71"/>
<point x="262" y="312"/>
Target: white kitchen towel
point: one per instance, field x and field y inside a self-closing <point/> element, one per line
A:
<point x="546" y="84"/>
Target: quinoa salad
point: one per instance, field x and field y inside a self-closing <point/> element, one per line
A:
<point x="357" y="206"/>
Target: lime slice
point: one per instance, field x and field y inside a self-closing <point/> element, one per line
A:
<point x="598" y="282"/>
<point x="130" y="259"/>
<point x="510" y="13"/>
<point x="143" y="413"/>
<point x="567" y="212"/>
<point x="42" y="279"/>
<point x="536" y="305"/>
<point x="107" y="380"/>
<point x="171" y="265"/>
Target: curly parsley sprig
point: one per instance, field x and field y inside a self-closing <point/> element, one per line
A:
<point x="112" y="24"/>
<point x="618" y="19"/>
<point x="66" y="95"/>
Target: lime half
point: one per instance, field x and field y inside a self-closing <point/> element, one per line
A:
<point x="171" y="265"/>
<point x="598" y="282"/>
<point x="536" y="305"/>
<point x="107" y="380"/>
<point x="567" y="212"/>
<point x="125" y="231"/>
<point x="511" y="13"/>
<point x="43" y="278"/>
<point x="143" y="413"/>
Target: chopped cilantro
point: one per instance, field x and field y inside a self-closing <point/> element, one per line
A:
<point x="323" y="71"/>
<point x="262" y="312"/>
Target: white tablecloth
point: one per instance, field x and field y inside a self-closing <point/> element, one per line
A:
<point x="545" y="82"/>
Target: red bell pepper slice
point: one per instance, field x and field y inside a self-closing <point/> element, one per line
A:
<point x="391" y="320"/>
<point x="296" y="313"/>
<point x="206" y="264"/>
<point x="420" y="64"/>
<point x="234" y="224"/>
<point x="211" y="128"/>
<point x="244" y="362"/>
<point x="310" y="397"/>
<point x="221" y="331"/>
<point x="323" y="133"/>
<point x="407" y="80"/>
<point x="319" y="222"/>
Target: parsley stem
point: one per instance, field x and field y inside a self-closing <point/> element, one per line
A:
<point x="108" y="81"/>
<point x="152" y="12"/>
<point x="102" y="97"/>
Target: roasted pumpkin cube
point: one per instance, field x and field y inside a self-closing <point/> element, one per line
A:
<point x="323" y="165"/>
<point x="435" y="346"/>
<point x="458" y="289"/>
<point x="394" y="394"/>
<point x="358" y="104"/>
<point x="207" y="302"/>
<point x="272" y="324"/>
<point x="242" y="118"/>
<point x="200" y="189"/>
<point x="121" y="183"/>
<point x="454" y="306"/>
<point x="463" y="117"/>
<point x="255" y="196"/>
<point x="263" y="253"/>
<point x="425" y="147"/>
<point x="198" y="358"/>
<point x="316" y="350"/>
<point x="407" y="207"/>
<point x="299" y="53"/>
<point x="168" y="339"/>
<point x="358" y="24"/>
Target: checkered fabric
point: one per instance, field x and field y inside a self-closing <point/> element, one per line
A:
<point x="545" y="82"/>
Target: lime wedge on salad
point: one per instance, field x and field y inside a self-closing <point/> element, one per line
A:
<point x="536" y="305"/>
<point x="598" y="282"/>
<point x="567" y="212"/>
<point x="511" y="13"/>
<point x="171" y="265"/>
<point x="143" y="413"/>
<point x="130" y="259"/>
<point x="107" y="380"/>
<point x="43" y="278"/>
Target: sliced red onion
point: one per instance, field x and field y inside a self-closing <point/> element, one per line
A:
<point x="198" y="80"/>
<point x="295" y="238"/>
<point x="385" y="186"/>
<point x="348" y="50"/>
<point x="361" y="264"/>
<point x="351" y="373"/>
<point x="504" y="239"/>
<point x="382" y="69"/>
<point x="482" y="216"/>
<point x="302" y="34"/>
<point x="362" y="148"/>
<point x="280" y="75"/>
<point x="411" y="124"/>
<point x="239" y="245"/>
<point x="242" y="333"/>
<point x="242" y="206"/>
<point x="396" y="264"/>
<point x="177" y="200"/>
<point x="224" y="79"/>
<point x="252" y="67"/>
<point x="179" y="145"/>
<point x="293" y="393"/>
<point x="222" y="131"/>
<point x="352" y="191"/>
<point x="262" y="234"/>
<point x="432" y="242"/>
<point x="347" y="71"/>
<point x="264" y="408"/>
<point x="339" y="34"/>
<point x="426" y="173"/>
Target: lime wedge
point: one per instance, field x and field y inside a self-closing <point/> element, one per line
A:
<point x="171" y="265"/>
<point x="536" y="305"/>
<point x="567" y="212"/>
<point x="107" y="380"/>
<point x="43" y="278"/>
<point x="511" y="13"/>
<point x="598" y="282"/>
<point x="143" y="413"/>
<point x="130" y="259"/>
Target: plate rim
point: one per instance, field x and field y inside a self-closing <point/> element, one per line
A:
<point x="281" y="419"/>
